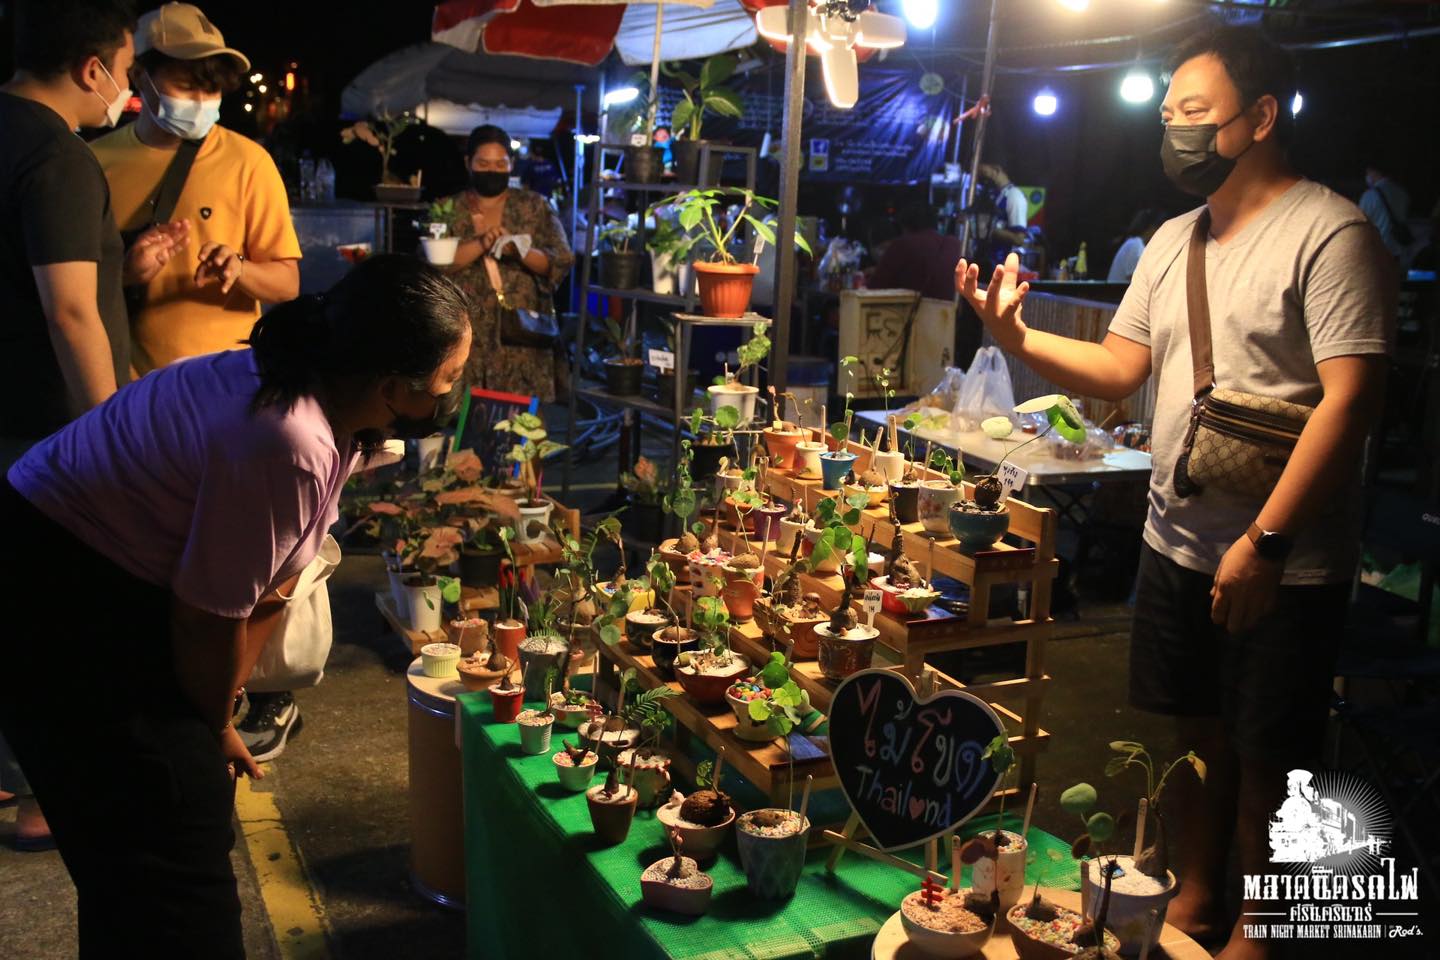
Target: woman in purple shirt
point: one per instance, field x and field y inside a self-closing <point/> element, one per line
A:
<point x="164" y="521"/>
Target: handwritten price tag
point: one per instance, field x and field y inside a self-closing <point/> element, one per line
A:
<point x="1012" y="478"/>
<point x="662" y="359"/>
<point x="872" y="601"/>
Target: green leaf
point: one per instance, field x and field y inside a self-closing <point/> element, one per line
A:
<point x="858" y="500"/>
<point x="859" y="559"/>
<point x="1101" y="827"/>
<point x="1064" y="425"/>
<point x="610" y="633"/>
<point x="781" y="724"/>
<point x="789" y="694"/>
<point x="697" y="528"/>
<point x="717" y="70"/>
<point x="449" y="589"/>
<point x="849" y="360"/>
<point x="1000" y="754"/>
<point x="1079" y="799"/>
<point x="820" y="554"/>
<point x="1116" y="765"/>
<point x="1126" y="746"/>
<point x="762" y="228"/>
<point x="775" y="675"/>
<point x="759" y="710"/>
<point x="690" y="214"/>
<point x="839" y="431"/>
<point x="727" y="417"/>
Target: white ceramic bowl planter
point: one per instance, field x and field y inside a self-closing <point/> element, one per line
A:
<point x="1132" y="896"/>
<point x="441" y="251"/>
<point x="741" y="396"/>
<point x="423" y="602"/>
<point x="438" y="660"/>
<point x="936" y="496"/>
<point x="525" y="530"/>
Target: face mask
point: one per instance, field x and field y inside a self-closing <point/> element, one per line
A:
<point x="1190" y="159"/>
<point x="186" y="119"/>
<point x="113" y="108"/>
<point x="406" y="427"/>
<point x="489" y="183"/>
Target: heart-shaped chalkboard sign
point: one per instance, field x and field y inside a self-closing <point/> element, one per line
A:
<point x="910" y="767"/>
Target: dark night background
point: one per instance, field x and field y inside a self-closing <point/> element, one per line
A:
<point x="1097" y="155"/>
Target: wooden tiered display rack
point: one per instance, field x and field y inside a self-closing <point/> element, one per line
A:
<point x="474" y="600"/>
<point x="904" y="642"/>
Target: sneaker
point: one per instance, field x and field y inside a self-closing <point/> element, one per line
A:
<point x="271" y="720"/>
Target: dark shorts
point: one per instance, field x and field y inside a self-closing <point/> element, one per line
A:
<point x="1270" y="685"/>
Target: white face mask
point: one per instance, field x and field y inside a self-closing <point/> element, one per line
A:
<point x="113" y="108"/>
<point x="186" y="119"/>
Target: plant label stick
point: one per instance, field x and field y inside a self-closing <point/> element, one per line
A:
<point x="1140" y="827"/>
<point x="1012" y="478"/>
<point x="1029" y="810"/>
<point x="954" y="863"/>
<point x="892" y="421"/>
<point x="872" y="606"/>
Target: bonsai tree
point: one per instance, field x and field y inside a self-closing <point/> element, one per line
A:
<point x="1063" y="418"/>
<point x="704" y="92"/>
<point x="1154" y="860"/>
<point x="530" y="450"/>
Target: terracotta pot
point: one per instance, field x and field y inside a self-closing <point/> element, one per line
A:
<point x="575" y="778"/>
<point x="780" y="444"/>
<point x="687" y="894"/>
<point x="739" y="597"/>
<point x="469" y="634"/>
<point x="754" y="575"/>
<point x="506" y="703"/>
<point x="508" y="634"/>
<point x="476" y="676"/>
<point x="942" y="944"/>
<point x="725" y="288"/>
<point x="611" y="816"/>
<point x="709" y="688"/>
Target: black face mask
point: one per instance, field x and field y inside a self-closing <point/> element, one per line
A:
<point x="1191" y="160"/>
<point x="406" y="427"/>
<point x="489" y="183"/>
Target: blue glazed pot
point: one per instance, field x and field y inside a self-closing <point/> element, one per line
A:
<point x="978" y="531"/>
<point x="833" y="467"/>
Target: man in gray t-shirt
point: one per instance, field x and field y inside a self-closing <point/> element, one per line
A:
<point x="1239" y="602"/>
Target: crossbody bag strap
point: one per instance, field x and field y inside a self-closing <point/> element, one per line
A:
<point x="174" y="181"/>
<point x="492" y="270"/>
<point x="1197" y="304"/>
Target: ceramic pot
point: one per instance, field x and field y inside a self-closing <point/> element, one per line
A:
<point x="508" y="634"/>
<point x="833" y="468"/>
<point x="650" y="778"/>
<point x="773" y="858"/>
<point x="640" y="626"/>
<point x="741" y="396"/>
<point x="841" y="656"/>
<point x="440" y="251"/>
<point x="664" y="650"/>
<point x="906" y="497"/>
<point x="573" y="778"/>
<point x="611" y="741"/>
<point x="423" y="602"/>
<point x="537" y="655"/>
<point x="708" y="689"/>
<point x="739" y="597"/>
<point x="687" y="893"/>
<point x="534" y="519"/>
<point x="936" y="496"/>
<point x="506" y="703"/>
<point x="785" y="539"/>
<point x="535" y="728"/>
<point x="780" y="444"/>
<point x="941" y="944"/>
<point x="664" y="276"/>
<point x="1032" y="947"/>
<point x="765" y="521"/>
<point x="570" y="715"/>
<point x="807" y="459"/>
<point x="891" y="463"/>
<point x="644" y="164"/>
<point x="889" y="596"/>
<point x="874" y="496"/>
<point x="830" y="564"/>
<point x="699" y="842"/>
<point x="1009" y="875"/>
<point x="475" y="675"/>
<point x="430" y="450"/>
<point x="746" y="728"/>
<point x="804" y="643"/>
<point x="611" y="815"/>
<point x="438" y="660"/>
<point x="623" y="376"/>
<point x="725" y="288"/>
<point x="977" y="530"/>
<point x="1129" y="915"/>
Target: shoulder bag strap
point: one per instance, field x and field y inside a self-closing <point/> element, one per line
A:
<point x="492" y="270"/>
<point x="1197" y="302"/>
<point x="174" y="181"/>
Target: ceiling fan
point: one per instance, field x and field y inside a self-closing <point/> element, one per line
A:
<point x="834" y="29"/>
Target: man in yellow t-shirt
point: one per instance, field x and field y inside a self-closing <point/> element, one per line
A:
<point x="242" y="250"/>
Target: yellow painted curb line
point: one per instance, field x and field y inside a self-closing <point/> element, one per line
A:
<point x="296" y="916"/>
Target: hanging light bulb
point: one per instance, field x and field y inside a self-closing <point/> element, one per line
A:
<point x="1137" y="87"/>
<point x="1045" y="103"/>
<point x="921" y="13"/>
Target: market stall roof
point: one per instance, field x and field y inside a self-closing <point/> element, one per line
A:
<point x="585" y="31"/>
<point x="427" y="72"/>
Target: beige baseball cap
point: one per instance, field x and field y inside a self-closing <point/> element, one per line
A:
<point x="181" y="31"/>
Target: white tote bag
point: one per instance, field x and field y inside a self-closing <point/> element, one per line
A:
<point x="295" y="654"/>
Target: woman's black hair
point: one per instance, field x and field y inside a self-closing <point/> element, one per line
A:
<point x="389" y="316"/>
<point x="489" y="133"/>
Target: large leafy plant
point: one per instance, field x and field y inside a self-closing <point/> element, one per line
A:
<point x="704" y="216"/>
<point x="702" y="92"/>
<point x="531" y="448"/>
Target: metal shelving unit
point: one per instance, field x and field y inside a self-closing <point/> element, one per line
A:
<point x="683" y="308"/>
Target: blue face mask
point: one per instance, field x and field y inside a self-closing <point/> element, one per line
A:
<point x="186" y="119"/>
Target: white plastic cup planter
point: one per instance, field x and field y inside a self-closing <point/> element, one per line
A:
<point x="535" y="727"/>
<point x="440" y="251"/>
<point x="423" y="603"/>
<point x="1132" y="896"/>
<point x="1011" y="871"/>
<point x="741" y="396"/>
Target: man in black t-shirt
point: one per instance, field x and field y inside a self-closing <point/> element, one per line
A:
<point x="64" y="338"/>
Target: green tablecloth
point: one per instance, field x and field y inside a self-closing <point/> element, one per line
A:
<point x="538" y="884"/>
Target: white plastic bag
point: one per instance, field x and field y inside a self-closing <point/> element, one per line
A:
<point x="296" y="652"/>
<point x="986" y="391"/>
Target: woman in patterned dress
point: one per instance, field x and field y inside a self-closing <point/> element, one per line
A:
<point x="497" y="210"/>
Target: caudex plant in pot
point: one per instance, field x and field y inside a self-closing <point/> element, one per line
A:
<point x="706" y="673"/>
<point x="903" y="588"/>
<point x="536" y="725"/>
<point x="510" y="627"/>
<point x="646" y="495"/>
<point x="725" y="282"/>
<point x="837" y="462"/>
<point x="530" y="450"/>
<point x="669" y="250"/>
<point x="768" y="704"/>
<point x="846" y="646"/>
<point x="619" y="261"/>
<point x="978" y="523"/>
<point x="728" y="391"/>
<point x="782" y="435"/>
<point x="792" y="614"/>
<point x="703" y="817"/>
<point x="1143" y="883"/>
<point x="997" y="858"/>
<point x="936" y="497"/>
<point x="648" y="765"/>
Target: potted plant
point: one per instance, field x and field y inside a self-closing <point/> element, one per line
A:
<point x="483" y="668"/>
<point x="530" y="450"/>
<point x="438" y="660"/>
<point x="905" y="495"/>
<point x="1041" y="930"/>
<point x="509" y="628"/>
<point x="836" y="462"/>
<point x="676" y="883"/>
<point x="575" y="766"/>
<point x="641" y="625"/>
<point x="536" y="725"/>
<point x="541" y="649"/>
<point x="937" y="496"/>
<point x="891" y="461"/>
<point x="441" y="234"/>
<point x="506" y="697"/>
<point x="1149" y="883"/>
<point x="998" y="858"/>
<point x="768" y="704"/>
<point x="942" y="924"/>
<point x="628" y="126"/>
<point x="701" y="93"/>
<point x="846" y="646"/>
<point x="725" y="283"/>
<point x="669" y="248"/>
<point x="480" y="556"/>
<point x="381" y="133"/>
<point x="978" y="523"/>
<point x="623" y="371"/>
<point x="903" y="589"/>
<point x="792" y="525"/>
<point x="705" y="673"/>
<point x="828" y="532"/>
<point x="782" y="435"/>
<point x="619" y="264"/>
<point x="649" y="766"/>
<point x="703" y="817"/>
<point x="728" y="391"/>
<point x="612" y="808"/>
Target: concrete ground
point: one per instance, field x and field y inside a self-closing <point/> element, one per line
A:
<point x="340" y="791"/>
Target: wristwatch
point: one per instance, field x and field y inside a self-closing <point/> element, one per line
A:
<point x="1269" y="544"/>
